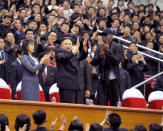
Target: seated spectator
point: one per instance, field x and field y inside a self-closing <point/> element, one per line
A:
<point x="155" y="127"/>
<point x="3" y="122"/>
<point x="140" y="128"/>
<point x="96" y="127"/>
<point x="76" y="125"/>
<point x="39" y="118"/>
<point x="115" y="122"/>
<point x="21" y="121"/>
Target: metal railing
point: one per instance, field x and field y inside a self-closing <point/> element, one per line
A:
<point x="145" y="54"/>
<point x="144" y="82"/>
<point x="140" y="46"/>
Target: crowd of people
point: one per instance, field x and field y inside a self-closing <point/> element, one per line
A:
<point x="71" y="43"/>
<point x="112" y="120"/>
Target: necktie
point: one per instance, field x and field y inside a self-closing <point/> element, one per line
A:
<point x="44" y="75"/>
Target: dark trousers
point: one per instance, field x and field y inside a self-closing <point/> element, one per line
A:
<point x="71" y="96"/>
<point x="108" y="90"/>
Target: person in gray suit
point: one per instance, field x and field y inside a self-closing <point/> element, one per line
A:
<point x="31" y="66"/>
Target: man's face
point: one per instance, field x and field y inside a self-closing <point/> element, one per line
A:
<point x="127" y="31"/>
<point x="10" y="37"/>
<point x="43" y="27"/>
<point x="85" y="36"/>
<point x="23" y="14"/>
<point x="29" y="35"/>
<point x="66" y="45"/>
<point x="36" y="9"/>
<point x="65" y="28"/>
<point x="108" y="38"/>
<point x="7" y="21"/>
<point x="161" y="39"/>
<point x="2" y="44"/>
<point x="33" y="25"/>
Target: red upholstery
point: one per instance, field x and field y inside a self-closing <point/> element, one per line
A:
<point x="155" y="100"/>
<point x="133" y="98"/>
<point x="156" y="104"/>
<point x="135" y="102"/>
<point x="18" y="95"/>
<point x="54" y="95"/>
<point x="5" y="93"/>
<point x="42" y="96"/>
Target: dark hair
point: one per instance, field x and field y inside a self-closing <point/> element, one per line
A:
<point x="3" y="121"/>
<point x="36" y="5"/>
<point x="96" y="127"/>
<point x="39" y="117"/>
<point x="21" y="9"/>
<point x="21" y="120"/>
<point x="114" y="120"/>
<point x="18" y="52"/>
<point x="76" y="125"/>
<point x="140" y="127"/>
<point x="26" y="42"/>
<point x="155" y="127"/>
<point x="28" y="30"/>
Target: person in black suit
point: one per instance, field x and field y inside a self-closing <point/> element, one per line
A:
<point x="69" y="79"/>
<point x="108" y="57"/>
<point x="3" y="58"/>
<point x="16" y="73"/>
<point x="47" y="76"/>
<point x="39" y="118"/>
<point x="125" y="79"/>
<point x="86" y="73"/>
<point x="115" y="122"/>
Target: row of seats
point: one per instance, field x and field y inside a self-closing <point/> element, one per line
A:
<point x="131" y="97"/>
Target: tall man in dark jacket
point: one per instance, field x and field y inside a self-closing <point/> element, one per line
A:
<point x="108" y="57"/>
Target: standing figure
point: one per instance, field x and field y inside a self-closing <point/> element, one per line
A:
<point x="108" y="57"/>
<point x="31" y="66"/>
<point x="69" y="73"/>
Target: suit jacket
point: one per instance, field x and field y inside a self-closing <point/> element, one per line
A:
<point x="68" y="70"/>
<point x="110" y="61"/>
<point x="42" y="129"/>
<point x="86" y="73"/>
<point x="50" y="77"/>
<point x="125" y="80"/>
<point x="16" y="74"/>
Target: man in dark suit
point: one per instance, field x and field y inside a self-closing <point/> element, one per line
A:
<point x="69" y="73"/>
<point x="47" y="78"/>
<point x="86" y="73"/>
<point x="115" y="122"/>
<point x="39" y="118"/>
<point x="125" y="80"/>
<point x="16" y="72"/>
<point x="108" y="57"/>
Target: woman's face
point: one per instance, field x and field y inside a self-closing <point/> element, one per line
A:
<point x="31" y="48"/>
<point x="66" y="45"/>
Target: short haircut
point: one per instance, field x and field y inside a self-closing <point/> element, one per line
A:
<point x="28" y="30"/>
<point x="140" y="127"/>
<point x="18" y="52"/>
<point x="155" y="127"/>
<point x="39" y="117"/>
<point x="96" y="127"/>
<point x="3" y="121"/>
<point x="114" y="120"/>
<point x="76" y="125"/>
<point x="21" y="120"/>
